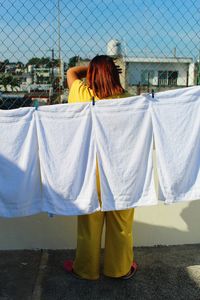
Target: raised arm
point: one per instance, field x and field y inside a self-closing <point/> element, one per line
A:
<point x="76" y="73"/>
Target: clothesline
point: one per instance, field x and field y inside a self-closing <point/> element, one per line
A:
<point x="93" y="99"/>
<point x="48" y="155"/>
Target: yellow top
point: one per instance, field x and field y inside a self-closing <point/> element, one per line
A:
<point x="80" y="92"/>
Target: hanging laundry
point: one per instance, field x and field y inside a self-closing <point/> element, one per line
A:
<point x="20" y="193"/>
<point x="67" y="159"/>
<point x="123" y="136"/>
<point x="120" y="134"/>
<point x="176" y="127"/>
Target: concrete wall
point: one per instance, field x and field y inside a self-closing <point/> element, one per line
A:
<point x="191" y="77"/>
<point x="134" y="72"/>
<point x="154" y="225"/>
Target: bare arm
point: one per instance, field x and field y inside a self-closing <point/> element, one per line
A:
<point x="76" y="73"/>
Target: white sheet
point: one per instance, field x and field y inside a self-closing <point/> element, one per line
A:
<point x="20" y="193"/>
<point x="176" y="127"/>
<point x="123" y="134"/>
<point x="67" y="158"/>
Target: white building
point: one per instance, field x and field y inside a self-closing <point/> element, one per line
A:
<point x="42" y="77"/>
<point x="157" y="72"/>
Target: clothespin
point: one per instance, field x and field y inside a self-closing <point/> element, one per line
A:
<point x="93" y="101"/>
<point x="152" y="93"/>
<point x="36" y="104"/>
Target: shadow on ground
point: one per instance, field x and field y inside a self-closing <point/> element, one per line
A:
<point x="164" y="273"/>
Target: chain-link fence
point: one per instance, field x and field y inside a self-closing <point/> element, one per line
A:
<point x="156" y="44"/>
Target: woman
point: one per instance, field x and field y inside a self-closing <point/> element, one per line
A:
<point x="102" y="81"/>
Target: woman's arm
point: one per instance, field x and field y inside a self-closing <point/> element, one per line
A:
<point x="76" y="73"/>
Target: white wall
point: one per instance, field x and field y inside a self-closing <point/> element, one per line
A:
<point x="191" y="71"/>
<point x="134" y="71"/>
<point x="174" y="224"/>
<point x="155" y="225"/>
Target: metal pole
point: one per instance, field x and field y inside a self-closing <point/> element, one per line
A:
<point x="148" y="83"/>
<point x="198" y="70"/>
<point x="52" y="66"/>
<point x="59" y="51"/>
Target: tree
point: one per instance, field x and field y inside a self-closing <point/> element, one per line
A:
<point x="72" y="61"/>
<point x="52" y="63"/>
<point x="34" y="61"/>
<point x="14" y="83"/>
<point x="45" y="61"/>
<point x="6" y="80"/>
<point x="20" y="64"/>
<point x="6" y="61"/>
<point x="2" y="67"/>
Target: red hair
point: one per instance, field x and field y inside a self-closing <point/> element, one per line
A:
<point x="103" y="77"/>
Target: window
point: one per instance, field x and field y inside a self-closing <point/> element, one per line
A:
<point x="167" y="78"/>
<point x="172" y="78"/>
<point x="162" y="78"/>
<point x="147" y="77"/>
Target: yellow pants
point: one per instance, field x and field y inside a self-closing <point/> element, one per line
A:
<point x="118" y="252"/>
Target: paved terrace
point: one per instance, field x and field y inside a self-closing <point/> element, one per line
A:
<point x="164" y="273"/>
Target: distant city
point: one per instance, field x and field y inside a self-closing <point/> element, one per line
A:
<point x="44" y="79"/>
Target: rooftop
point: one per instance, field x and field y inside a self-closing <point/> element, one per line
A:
<point x="185" y="60"/>
<point x="169" y="273"/>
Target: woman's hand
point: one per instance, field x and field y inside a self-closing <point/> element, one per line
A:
<point x="119" y="69"/>
<point x="76" y="73"/>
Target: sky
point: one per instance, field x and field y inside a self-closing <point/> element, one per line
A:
<point x="145" y="28"/>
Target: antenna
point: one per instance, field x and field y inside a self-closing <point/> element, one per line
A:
<point x="174" y="51"/>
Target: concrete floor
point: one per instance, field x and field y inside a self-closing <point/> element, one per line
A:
<point x="164" y="273"/>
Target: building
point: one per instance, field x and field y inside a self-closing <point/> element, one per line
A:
<point x="159" y="73"/>
<point x="42" y="76"/>
<point x="198" y="72"/>
<point x="14" y="68"/>
<point x="141" y="74"/>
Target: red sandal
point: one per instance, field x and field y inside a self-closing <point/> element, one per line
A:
<point x="68" y="267"/>
<point x="131" y="273"/>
